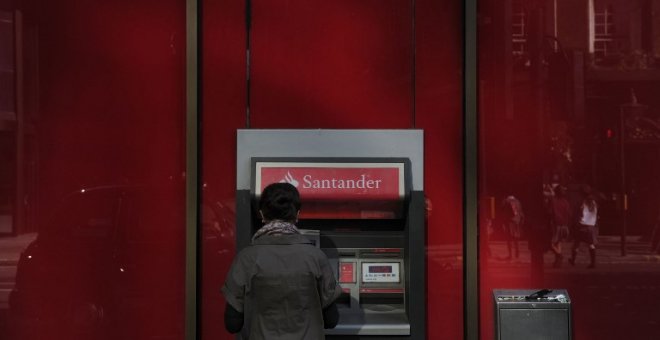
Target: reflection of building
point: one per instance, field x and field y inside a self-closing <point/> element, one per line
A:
<point x="624" y="53"/>
<point x="618" y="28"/>
<point x="570" y="64"/>
<point x="16" y="141"/>
<point x="607" y="29"/>
<point x="8" y="124"/>
<point x="603" y="42"/>
<point x="519" y="29"/>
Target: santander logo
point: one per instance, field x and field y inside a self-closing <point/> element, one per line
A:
<point x="288" y="178"/>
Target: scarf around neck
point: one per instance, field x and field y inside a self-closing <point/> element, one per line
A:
<point x="276" y="227"/>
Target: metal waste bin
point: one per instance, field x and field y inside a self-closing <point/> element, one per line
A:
<point x="532" y="314"/>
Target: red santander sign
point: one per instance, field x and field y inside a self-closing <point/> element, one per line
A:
<point x="354" y="188"/>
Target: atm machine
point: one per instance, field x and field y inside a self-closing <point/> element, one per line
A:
<point x="366" y="215"/>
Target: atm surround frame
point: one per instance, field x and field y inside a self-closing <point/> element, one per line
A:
<point x="414" y="228"/>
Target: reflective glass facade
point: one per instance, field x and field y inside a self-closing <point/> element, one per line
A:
<point x="95" y="133"/>
<point x="569" y="150"/>
<point x="93" y="166"/>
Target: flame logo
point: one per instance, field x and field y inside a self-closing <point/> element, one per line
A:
<point x="288" y="178"/>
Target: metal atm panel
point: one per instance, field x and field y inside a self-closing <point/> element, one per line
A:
<point x="373" y="298"/>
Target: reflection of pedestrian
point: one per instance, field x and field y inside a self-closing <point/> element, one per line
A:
<point x="538" y="238"/>
<point x="560" y="215"/>
<point x="512" y="221"/>
<point x="587" y="230"/>
<point x="282" y="286"/>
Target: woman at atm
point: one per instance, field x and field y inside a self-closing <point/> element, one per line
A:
<point x="281" y="286"/>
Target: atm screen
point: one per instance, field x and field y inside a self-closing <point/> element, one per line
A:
<point x="380" y="272"/>
<point x="380" y="269"/>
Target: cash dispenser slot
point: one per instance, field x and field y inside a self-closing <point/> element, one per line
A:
<point x="386" y="299"/>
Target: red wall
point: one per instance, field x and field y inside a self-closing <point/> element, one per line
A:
<point x="439" y="111"/>
<point x="338" y="64"/>
<point x="104" y="92"/>
<point x="345" y="64"/>
<point x="105" y="86"/>
<point x="223" y="107"/>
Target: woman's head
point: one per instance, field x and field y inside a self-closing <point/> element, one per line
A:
<point x="280" y="201"/>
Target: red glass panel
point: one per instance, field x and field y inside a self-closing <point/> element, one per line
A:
<point x="223" y="104"/>
<point x="438" y="110"/>
<point x="344" y="64"/>
<point x="92" y="243"/>
<point x="331" y="64"/>
<point x="563" y="123"/>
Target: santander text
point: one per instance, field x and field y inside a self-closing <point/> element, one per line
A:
<point x="361" y="183"/>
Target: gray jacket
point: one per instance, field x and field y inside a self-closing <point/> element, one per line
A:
<point x="281" y="283"/>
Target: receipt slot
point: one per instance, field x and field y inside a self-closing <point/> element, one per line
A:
<point x="365" y="215"/>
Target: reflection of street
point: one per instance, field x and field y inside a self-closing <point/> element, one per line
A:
<point x="608" y="253"/>
<point x="103" y="266"/>
<point x="129" y="277"/>
<point x="624" y="290"/>
<point x="616" y="300"/>
<point x="10" y="250"/>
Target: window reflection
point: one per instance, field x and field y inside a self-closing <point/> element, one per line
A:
<point x="8" y="133"/>
<point x="570" y="129"/>
<point x="92" y="149"/>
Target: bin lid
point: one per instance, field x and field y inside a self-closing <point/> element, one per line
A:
<point x="518" y="297"/>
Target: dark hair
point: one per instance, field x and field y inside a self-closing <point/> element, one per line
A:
<point x="280" y="201"/>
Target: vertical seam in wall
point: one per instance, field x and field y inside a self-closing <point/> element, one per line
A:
<point x="414" y="66"/>
<point x="191" y="322"/>
<point x="470" y="169"/>
<point x="248" y="36"/>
